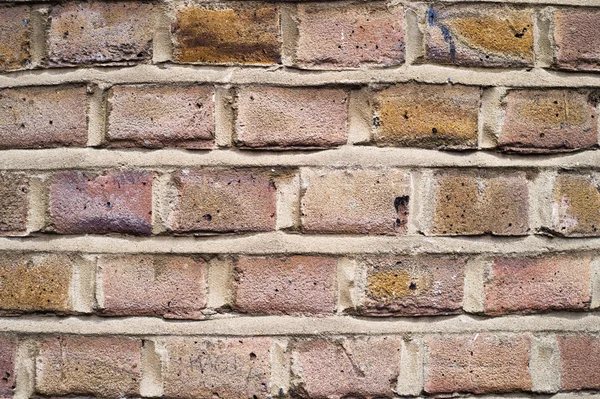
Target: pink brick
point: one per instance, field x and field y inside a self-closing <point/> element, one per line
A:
<point x="14" y="203"/>
<point x="8" y="353"/>
<point x="580" y="356"/>
<point x="277" y="117"/>
<point x="577" y="38"/>
<point x="153" y="285"/>
<point x="297" y="285"/>
<point x="15" y="34"/>
<point x="576" y="205"/>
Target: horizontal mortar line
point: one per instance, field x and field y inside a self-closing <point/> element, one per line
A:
<point x="279" y="75"/>
<point x="585" y="3"/>
<point x="287" y="325"/>
<point x="282" y="243"/>
<point x="346" y="156"/>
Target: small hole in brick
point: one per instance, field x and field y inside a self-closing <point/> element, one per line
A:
<point x="207" y="217"/>
<point x="252" y="355"/>
<point x="50" y="122"/>
<point x="412" y="285"/>
<point x="434" y="131"/>
<point x="542" y="135"/>
<point x="556" y="115"/>
<point x="108" y="204"/>
<point x="555" y="102"/>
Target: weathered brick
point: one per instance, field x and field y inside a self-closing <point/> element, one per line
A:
<point x="36" y="282"/>
<point x="223" y="201"/>
<point x="478" y="363"/>
<point x="341" y="35"/>
<point x="102" y="366"/>
<point x="119" y="202"/>
<point x="415" y="286"/>
<point x="15" y="33"/>
<point x="577" y="38"/>
<point x="548" y="121"/>
<point x="297" y="285"/>
<point x="236" y="368"/>
<point x="580" y="356"/>
<point x="14" y="203"/>
<point x="235" y="33"/>
<point x="355" y="201"/>
<point x="161" y="116"/>
<point x="8" y="353"/>
<point x="100" y="33"/>
<point x="153" y="285"/>
<point x="480" y="202"/>
<point x="576" y="205"/>
<point x="37" y="117"/>
<point x="531" y="285"/>
<point x="479" y="35"/>
<point x="418" y="115"/>
<point x="352" y="367"/>
<point x="291" y="117"/>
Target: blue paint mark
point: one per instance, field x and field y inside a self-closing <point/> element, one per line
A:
<point x="431" y="16"/>
<point x="432" y="20"/>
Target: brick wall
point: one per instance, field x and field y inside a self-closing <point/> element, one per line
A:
<point x="234" y="199"/>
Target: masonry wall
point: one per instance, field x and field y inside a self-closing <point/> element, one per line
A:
<point x="230" y="199"/>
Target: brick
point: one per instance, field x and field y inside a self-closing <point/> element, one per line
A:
<point x="39" y="117"/>
<point x="577" y="39"/>
<point x="352" y="367"/>
<point x="8" y="353"/>
<point x="296" y="285"/>
<point x="580" y="356"/>
<point x="161" y="116"/>
<point x="478" y="363"/>
<point x="15" y="33"/>
<point x="480" y="202"/>
<point x="112" y="202"/>
<point x="100" y="33"/>
<point x="102" y="366"/>
<point x="362" y="35"/>
<point x="548" y="121"/>
<point x="36" y="282"/>
<point x="235" y="33"/>
<point x="529" y="285"/>
<point x="576" y="205"/>
<point x="418" y="115"/>
<point x="291" y="117"/>
<point x="484" y="35"/>
<point x="223" y="201"/>
<point x="153" y="285"/>
<point x="355" y="201"/>
<point x="413" y="286"/>
<point x="236" y="368"/>
<point x="14" y="203"/>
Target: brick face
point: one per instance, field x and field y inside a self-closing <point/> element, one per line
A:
<point x="577" y="39"/>
<point x="15" y="35"/>
<point x="575" y="205"/>
<point x="14" y="203"/>
<point x="580" y="355"/>
<point x="8" y="352"/>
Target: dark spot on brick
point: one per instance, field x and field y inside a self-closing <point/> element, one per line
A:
<point x="207" y="217"/>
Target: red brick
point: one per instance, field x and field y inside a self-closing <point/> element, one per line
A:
<point x="576" y="205"/>
<point x="102" y="366"/>
<point x="296" y="285"/>
<point x="223" y="201"/>
<point x="118" y="202"/>
<point x="531" y="285"/>
<point x="100" y="33"/>
<point x="291" y="117"/>
<point x="14" y="203"/>
<point x="415" y="286"/>
<point x="352" y="367"/>
<point x="234" y="368"/>
<point x="153" y="285"/>
<point x="479" y="35"/>
<point x="38" y="117"/>
<point x="232" y="33"/>
<point x="341" y="35"/>
<point x="15" y="33"/>
<point x="577" y="38"/>
<point x="8" y="353"/>
<point x="580" y="356"/>
<point x="478" y="363"/>
<point x="480" y="202"/>
<point x="161" y="116"/>
<point x="548" y="121"/>
<point x="355" y="201"/>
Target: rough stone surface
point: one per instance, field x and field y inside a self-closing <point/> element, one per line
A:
<point x="341" y="35"/>
<point x="14" y="203"/>
<point x="38" y="117"/>
<point x="418" y="115"/>
<point x="576" y="205"/>
<point x="236" y="368"/>
<point x="235" y="33"/>
<point x="119" y="202"/>
<point x="15" y="33"/>
<point x="291" y="117"/>
<point x="161" y="116"/>
<point x="355" y="201"/>
<point x="102" y="366"/>
<point x="8" y="352"/>
<point x="485" y="35"/>
<point x="296" y="285"/>
<point x="580" y="356"/>
<point x="577" y="39"/>
<point x="153" y="285"/>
